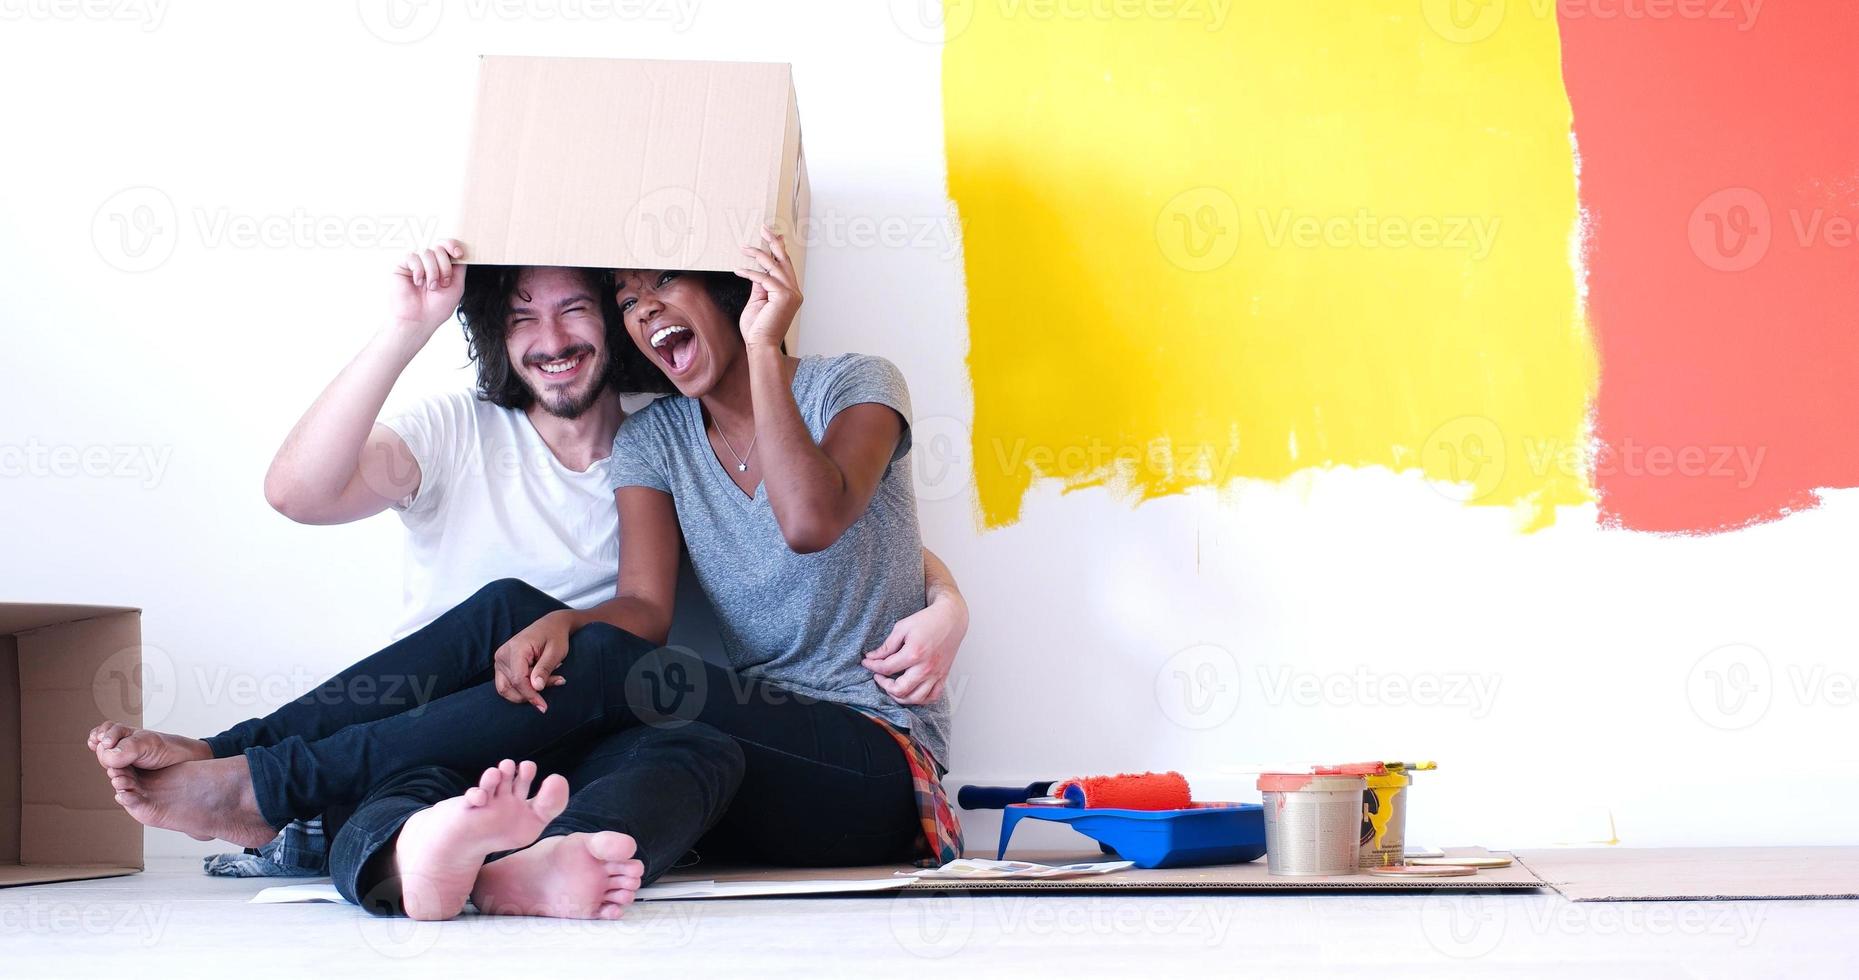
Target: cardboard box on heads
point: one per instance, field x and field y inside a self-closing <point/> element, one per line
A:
<point x="624" y="164"/>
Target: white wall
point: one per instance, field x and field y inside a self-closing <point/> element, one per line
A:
<point x="1106" y="637"/>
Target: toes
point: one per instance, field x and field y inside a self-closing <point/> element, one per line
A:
<point x="610" y="912"/>
<point x="611" y="845"/>
<point x="108" y="736"/>
<point x="525" y="775"/>
<point x="475" y="797"/>
<point x="552" y="798"/>
<point x="623" y="884"/>
<point x="120" y="749"/>
<point x="490" y="781"/>
<point x="621" y="897"/>
<point x="123" y="782"/>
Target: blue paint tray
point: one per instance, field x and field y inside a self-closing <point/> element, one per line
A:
<point x="1205" y="833"/>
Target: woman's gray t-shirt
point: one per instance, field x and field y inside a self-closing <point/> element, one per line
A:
<point x="801" y="622"/>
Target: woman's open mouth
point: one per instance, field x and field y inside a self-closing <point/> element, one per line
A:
<point x="676" y="347"/>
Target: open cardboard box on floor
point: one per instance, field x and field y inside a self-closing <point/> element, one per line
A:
<point x="623" y="164"/>
<point x="62" y="670"/>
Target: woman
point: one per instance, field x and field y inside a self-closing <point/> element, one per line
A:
<point x="807" y="572"/>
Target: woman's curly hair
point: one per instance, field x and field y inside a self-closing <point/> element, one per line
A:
<point x="484" y="310"/>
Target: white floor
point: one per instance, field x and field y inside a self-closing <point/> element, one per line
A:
<point x="174" y="922"/>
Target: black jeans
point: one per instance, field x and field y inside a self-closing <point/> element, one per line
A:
<point x="664" y="786"/>
<point x="822" y="784"/>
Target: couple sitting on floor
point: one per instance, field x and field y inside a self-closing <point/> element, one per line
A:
<point x="813" y="735"/>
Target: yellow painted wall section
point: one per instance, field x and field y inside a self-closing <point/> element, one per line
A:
<point x="1213" y="241"/>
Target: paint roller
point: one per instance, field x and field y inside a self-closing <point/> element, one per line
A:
<point x="1126" y="791"/>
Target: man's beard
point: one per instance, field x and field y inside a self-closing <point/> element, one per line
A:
<point x="567" y="404"/>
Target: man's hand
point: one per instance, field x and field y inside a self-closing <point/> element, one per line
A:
<point x="525" y="666"/>
<point x="427" y="287"/>
<point x="913" y="664"/>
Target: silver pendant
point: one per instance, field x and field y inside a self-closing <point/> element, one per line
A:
<point x="742" y="467"/>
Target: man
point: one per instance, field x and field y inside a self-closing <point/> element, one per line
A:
<point x="503" y="483"/>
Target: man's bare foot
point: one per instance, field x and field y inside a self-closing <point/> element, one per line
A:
<point x="574" y="876"/>
<point x="118" y="746"/>
<point x="441" y="848"/>
<point x="204" y="800"/>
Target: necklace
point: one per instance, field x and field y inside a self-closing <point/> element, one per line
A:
<point x="742" y="464"/>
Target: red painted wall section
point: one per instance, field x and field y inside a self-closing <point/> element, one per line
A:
<point x="1719" y="149"/>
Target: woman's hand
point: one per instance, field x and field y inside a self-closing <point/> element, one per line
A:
<point x="913" y="664"/>
<point x="525" y="666"/>
<point x="775" y="297"/>
<point x="428" y="286"/>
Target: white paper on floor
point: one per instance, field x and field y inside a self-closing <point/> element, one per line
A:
<point x="972" y="869"/>
<point x="664" y="892"/>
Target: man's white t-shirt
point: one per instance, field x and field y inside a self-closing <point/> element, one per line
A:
<point x="494" y="502"/>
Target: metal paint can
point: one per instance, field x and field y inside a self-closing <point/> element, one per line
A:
<point x="1312" y="823"/>
<point x="1384" y="820"/>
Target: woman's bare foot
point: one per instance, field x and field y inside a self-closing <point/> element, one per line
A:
<point x="204" y="800"/>
<point x="574" y="876"/>
<point x="441" y="848"/>
<point x="118" y="746"/>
